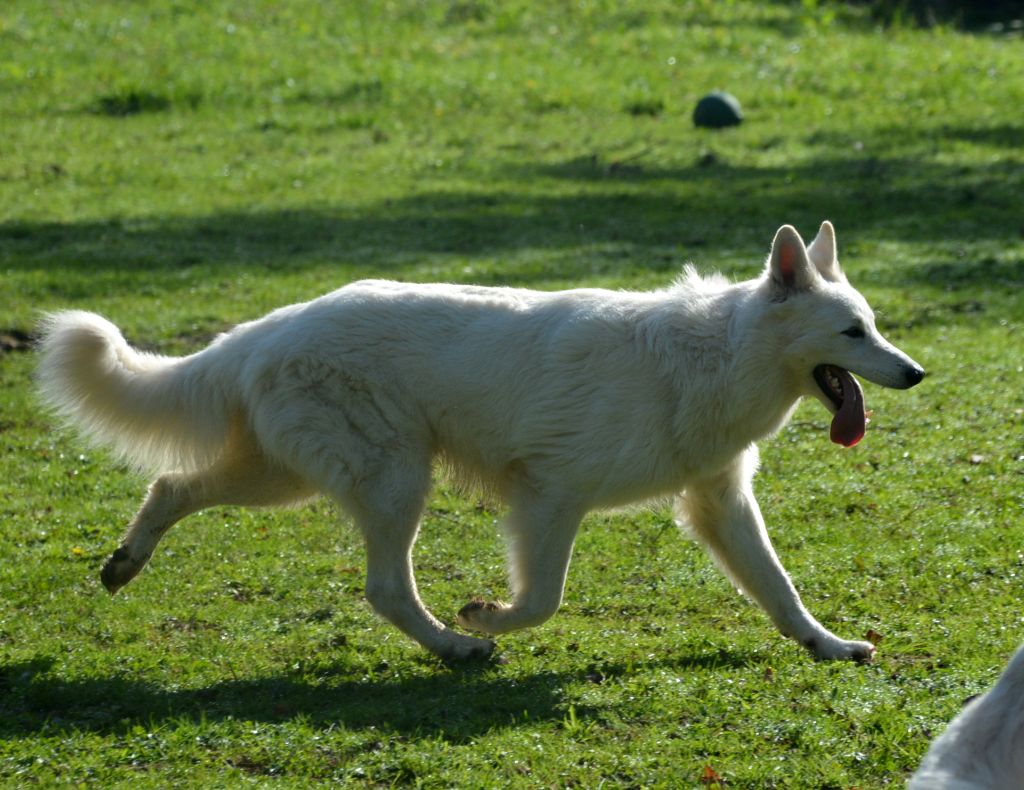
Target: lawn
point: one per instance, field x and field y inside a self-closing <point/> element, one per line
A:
<point x="182" y="166"/>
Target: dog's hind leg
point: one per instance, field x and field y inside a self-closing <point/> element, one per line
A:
<point x="387" y="508"/>
<point x="541" y="535"/>
<point x="723" y="513"/>
<point x="241" y="476"/>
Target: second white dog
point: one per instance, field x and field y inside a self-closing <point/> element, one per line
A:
<point x="983" y="747"/>
<point x="557" y="402"/>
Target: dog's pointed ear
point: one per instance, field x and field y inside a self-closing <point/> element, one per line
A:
<point x="822" y="253"/>
<point x="789" y="268"/>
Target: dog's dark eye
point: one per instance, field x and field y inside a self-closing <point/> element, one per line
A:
<point x="853" y="331"/>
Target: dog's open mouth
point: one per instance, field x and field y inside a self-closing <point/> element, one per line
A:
<point x="842" y="389"/>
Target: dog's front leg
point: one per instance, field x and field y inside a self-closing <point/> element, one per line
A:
<point x="724" y="514"/>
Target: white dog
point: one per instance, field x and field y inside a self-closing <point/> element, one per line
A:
<point x="557" y="403"/>
<point x="983" y="747"/>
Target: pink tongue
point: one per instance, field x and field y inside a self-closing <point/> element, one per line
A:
<point x="850" y="421"/>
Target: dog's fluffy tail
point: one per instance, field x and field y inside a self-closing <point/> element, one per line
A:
<point x="158" y="413"/>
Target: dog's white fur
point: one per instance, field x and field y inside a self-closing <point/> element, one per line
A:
<point x="557" y="402"/>
<point x="983" y="747"/>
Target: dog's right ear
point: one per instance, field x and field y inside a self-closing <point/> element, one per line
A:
<point x="789" y="268"/>
<point x="822" y="252"/>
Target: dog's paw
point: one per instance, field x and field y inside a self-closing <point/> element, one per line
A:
<point x="479" y="615"/>
<point x="831" y="648"/>
<point x="119" y="569"/>
<point x="460" y="649"/>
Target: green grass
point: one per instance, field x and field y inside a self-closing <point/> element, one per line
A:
<point x="183" y="166"/>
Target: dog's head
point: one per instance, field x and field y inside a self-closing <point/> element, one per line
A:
<point x="830" y="331"/>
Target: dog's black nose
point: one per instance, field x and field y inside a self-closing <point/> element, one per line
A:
<point x="914" y="375"/>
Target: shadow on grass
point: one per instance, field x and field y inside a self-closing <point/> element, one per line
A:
<point x="889" y="197"/>
<point x="583" y="209"/>
<point x="457" y="704"/>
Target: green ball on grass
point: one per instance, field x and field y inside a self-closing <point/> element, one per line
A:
<point x="717" y="110"/>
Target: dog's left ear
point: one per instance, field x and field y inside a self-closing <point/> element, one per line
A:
<point x="789" y="268"/>
<point x="822" y="253"/>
